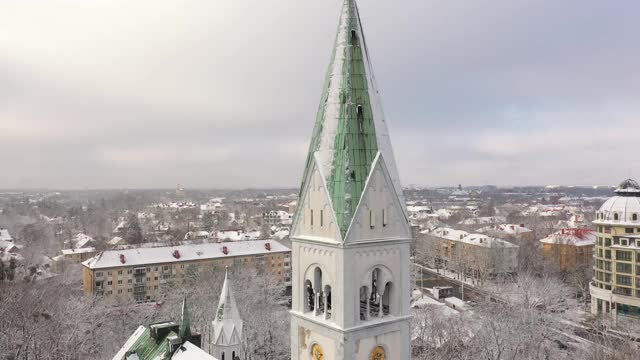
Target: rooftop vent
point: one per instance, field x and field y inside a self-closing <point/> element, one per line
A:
<point x="176" y="254"/>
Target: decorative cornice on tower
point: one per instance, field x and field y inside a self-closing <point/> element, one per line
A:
<point x="227" y="326"/>
<point x="350" y="128"/>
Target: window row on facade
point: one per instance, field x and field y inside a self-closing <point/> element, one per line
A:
<point x="616" y="216"/>
<point x="372" y="218"/>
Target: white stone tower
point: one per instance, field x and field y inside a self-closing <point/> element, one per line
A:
<point x="350" y="235"/>
<point x="225" y="342"/>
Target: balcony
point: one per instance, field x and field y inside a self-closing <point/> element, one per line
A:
<point x="139" y="290"/>
<point x="622" y="291"/>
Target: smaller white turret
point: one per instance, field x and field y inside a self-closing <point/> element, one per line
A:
<point x="226" y="330"/>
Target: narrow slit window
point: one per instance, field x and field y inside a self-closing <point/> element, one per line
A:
<point x="384" y="218"/>
<point x="360" y="118"/>
<point x="311" y="217"/>
<point x="321" y="218"/>
<point x="372" y="219"/>
<point x="354" y="37"/>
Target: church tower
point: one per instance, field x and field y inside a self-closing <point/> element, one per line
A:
<point x="226" y="329"/>
<point x="350" y="235"/>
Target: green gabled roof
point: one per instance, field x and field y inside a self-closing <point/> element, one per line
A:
<point x="349" y="129"/>
<point x="148" y="348"/>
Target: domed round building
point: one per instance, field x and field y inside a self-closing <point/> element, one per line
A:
<point x="615" y="289"/>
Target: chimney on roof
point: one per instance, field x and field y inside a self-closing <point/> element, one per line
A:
<point x="176" y="254"/>
<point x="562" y="232"/>
<point x="521" y="225"/>
<point x="225" y="250"/>
<point x="267" y="246"/>
<point x="122" y="259"/>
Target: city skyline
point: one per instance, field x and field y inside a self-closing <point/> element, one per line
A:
<point x="505" y="93"/>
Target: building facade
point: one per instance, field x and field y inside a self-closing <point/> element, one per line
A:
<point x="569" y="249"/>
<point x="79" y="255"/>
<point x="615" y="289"/>
<point x="478" y="256"/>
<point x="141" y="274"/>
<point x="350" y="235"/>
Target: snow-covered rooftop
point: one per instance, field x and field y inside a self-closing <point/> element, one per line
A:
<point x="78" y="251"/>
<point x="469" y="238"/>
<point x="237" y="235"/>
<point x="507" y="229"/>
<point x="80" y="240"/>
<point x="115" y="241"/>
<point x="129" y="343"/>
<point x="574" y="237"/>
<point x="483" y="220"/>
<point x="5" y="236"/>
<point x="161" y="255"/>
<point x="7" y="245"/>
<point x="188" y="351"/>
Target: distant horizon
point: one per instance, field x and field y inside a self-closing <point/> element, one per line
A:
<point x="278" y="188"/>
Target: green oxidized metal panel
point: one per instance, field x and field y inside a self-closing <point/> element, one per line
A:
<point x="355" y="145"/>
<point x="148" y="348"/>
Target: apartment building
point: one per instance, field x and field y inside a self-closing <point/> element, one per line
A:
<point x="569" y="249"/>
<point x="140" y="274"/>
<point x="511" y="232"/>
<point x="79" y="255"/>
<point x="615" y="289"/>
<point x="477" y="255"/>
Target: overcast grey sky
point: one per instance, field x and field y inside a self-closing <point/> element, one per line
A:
<point x="220" y="93"/>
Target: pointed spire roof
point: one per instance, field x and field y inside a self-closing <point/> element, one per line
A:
<point x="185" y="322"/>
<point x="350" y="128"/>
<point x="227" y="326"/>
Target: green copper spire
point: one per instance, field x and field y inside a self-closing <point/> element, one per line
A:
<point x="350" y="129"/>
<point x="185" y="323"/>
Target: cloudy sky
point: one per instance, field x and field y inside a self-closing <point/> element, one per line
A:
<point x="220" y="93"/>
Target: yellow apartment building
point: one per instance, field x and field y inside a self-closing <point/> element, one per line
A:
<point x="569" y="249"/>
<point x="615" y="288"/>
<point x="140" y="274"/>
